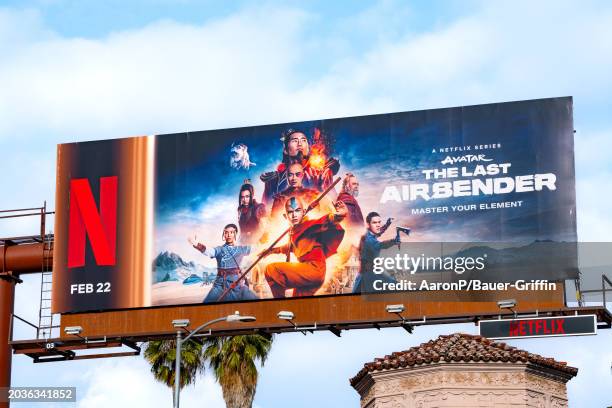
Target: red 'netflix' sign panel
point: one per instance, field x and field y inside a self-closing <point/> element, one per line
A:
<point x="103" y="225"/>
<point x="539" y="327"/>
<point x="85" y="219"/>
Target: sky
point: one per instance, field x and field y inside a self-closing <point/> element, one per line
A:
<point x="86" y="70"/>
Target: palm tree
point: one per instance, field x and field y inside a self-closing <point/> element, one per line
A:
<point x="233" y="360"/>
<point x="161" y="355"/>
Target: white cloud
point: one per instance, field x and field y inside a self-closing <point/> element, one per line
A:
<point x="503" y="51"/>
<point x="592" y="152"/>
<point x="161" y="78"/>
<point x="243" y="69"/>
<point x="128" y="382"/>
<point x="593" y="175"/>
<point x="594" y="222"/>
<point x="30" y="176"/>
<point x="21" y="27"/>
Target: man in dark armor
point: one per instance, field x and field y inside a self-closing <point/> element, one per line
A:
<point x="318" y="168"/>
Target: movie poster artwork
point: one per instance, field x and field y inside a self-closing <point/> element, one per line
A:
<point x="301" y="209"/>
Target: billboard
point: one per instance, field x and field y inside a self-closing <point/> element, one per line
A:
<point x="313" y="209"/>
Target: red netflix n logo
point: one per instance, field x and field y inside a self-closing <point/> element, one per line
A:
<point x="85" y="219"/>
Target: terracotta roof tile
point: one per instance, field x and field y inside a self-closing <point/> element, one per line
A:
<point x="459" y="347"/>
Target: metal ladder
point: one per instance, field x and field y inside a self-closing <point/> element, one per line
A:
<point x="45" y="317"/>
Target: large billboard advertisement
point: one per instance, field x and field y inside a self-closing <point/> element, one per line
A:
<point x="316" y="208"/>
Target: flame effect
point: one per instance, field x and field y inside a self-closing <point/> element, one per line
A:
<point x="317" y="158"/>
<point x="318" y="155"/>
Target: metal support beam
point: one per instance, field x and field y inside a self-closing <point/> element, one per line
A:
<point x="335" y="331"/>
<point x="85" y="357"/>
<point x="7" y="299"/>
<point x="25" y="258"/>
<point x="131" y="345"/>
<point x="9" y="277"/>
<point x="408" y="327"/>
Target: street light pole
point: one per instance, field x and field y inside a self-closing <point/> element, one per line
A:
<point x="177" y="369"/>
<point x="236" y="317"/>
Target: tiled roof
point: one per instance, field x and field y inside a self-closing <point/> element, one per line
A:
<point x="459" y="347"/>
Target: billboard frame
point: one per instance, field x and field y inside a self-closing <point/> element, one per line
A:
<point x="65" y="346"/>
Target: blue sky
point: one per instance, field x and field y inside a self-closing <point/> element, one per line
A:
<point x="73" y="18"/>
<point x="86" y="70"/>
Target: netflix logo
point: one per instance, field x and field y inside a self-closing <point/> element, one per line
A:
<point x="536" y="327"/>
<point x="87" y="221"/>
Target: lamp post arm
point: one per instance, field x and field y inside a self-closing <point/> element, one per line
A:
<point x="220" y="319"/>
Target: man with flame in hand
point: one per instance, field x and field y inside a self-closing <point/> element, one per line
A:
<point x="251" y="214"/>
<point x="321" y="168"/>
<point x="312" y="242"/>
<point x="318" y="168"/>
